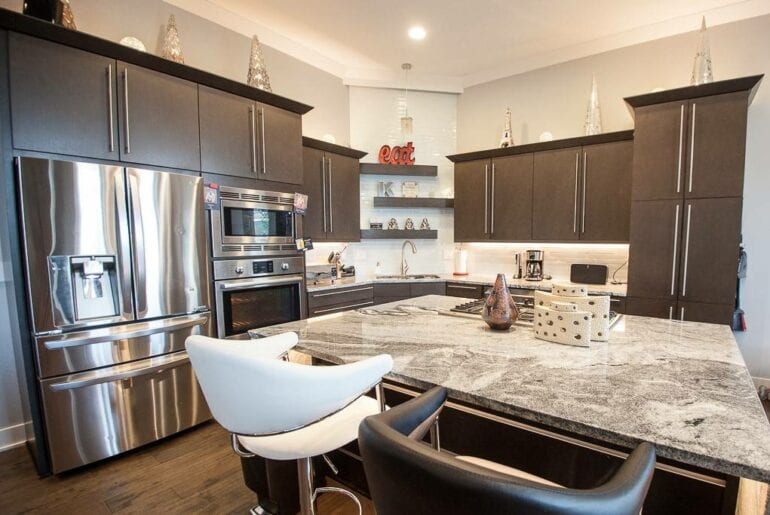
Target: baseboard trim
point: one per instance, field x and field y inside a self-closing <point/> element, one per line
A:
<point x="12" y="436"/>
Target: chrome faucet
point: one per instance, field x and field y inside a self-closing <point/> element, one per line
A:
<point x="404" y="264"/>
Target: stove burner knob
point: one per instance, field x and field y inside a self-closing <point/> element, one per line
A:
<point x="238" y="270"/>
<point x="284" y="266"/>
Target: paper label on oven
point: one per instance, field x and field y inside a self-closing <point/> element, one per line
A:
<point x="211" y="195"/>
<point x="300" y="203"/>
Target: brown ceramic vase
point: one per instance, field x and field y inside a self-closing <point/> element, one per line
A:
<point x="500" y="310"/>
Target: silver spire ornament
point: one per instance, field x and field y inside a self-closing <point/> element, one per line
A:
<point x="406" y="120"/>
<point x="257" y="75"/>
<point x="701" y="67"/>
<point x="593" y="123"/>
<point x="507" y="139"/>
<point x="172" y="48"/>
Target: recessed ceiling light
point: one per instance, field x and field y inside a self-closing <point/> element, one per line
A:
<point x="417" y="33"/>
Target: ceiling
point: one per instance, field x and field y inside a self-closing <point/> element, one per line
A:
<point x="468" y="42"/>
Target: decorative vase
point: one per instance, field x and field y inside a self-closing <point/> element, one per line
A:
<point x="593" y="122"/>
<point x="500" y="311"/>
<point x="257" y="75"/>
<point x="701" y="68"/>
<point x="172" y="48"/>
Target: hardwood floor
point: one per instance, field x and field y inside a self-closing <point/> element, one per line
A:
<point x="195" y="472"/>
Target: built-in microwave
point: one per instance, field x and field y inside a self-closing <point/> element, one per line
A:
<point x="253" y="223"/>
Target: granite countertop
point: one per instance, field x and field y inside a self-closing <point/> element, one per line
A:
<point x="618" y="290"/>
<point x="680" y="385"/>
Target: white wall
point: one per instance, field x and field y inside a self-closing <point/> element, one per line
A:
<point x="554" y="99"/>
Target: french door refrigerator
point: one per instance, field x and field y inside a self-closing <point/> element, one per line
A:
<point x="117" y="275"/>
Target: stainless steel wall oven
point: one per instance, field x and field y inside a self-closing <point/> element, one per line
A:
<point x="257" y="293"/>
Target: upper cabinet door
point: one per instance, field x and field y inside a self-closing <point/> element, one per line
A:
<point x="511" y="194"/>
<point x="314" y="186"/>
<point x="716" y="146"/>
<point x="711" y="239"/>
<point x="63" y="100"/>
<point x="660" y="137"/>
<point x="159" y="118"/>
<point x="605" y="192"/>
<point x="343" y="191"/>
<point x="556" y="200"/>
<point x="472" y="201"/>
<point x="228" y="133"/>
<point x="280" y="145"/>
<point x="656" y="235"/>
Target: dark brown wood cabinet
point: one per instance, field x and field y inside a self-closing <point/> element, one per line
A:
<point x="556" y="195"/>
<point x="606" y="192"/>
<point x="687" y="201"/>
<point x="63" y="100"/>
<point x="279" y="145"/>
<point x="471" y="213"/>
<point x="510" y="212"/>
<point x="228" y="133"/>
<point x="716" y="146"/>
<point x="158" y="118"/>
<point x="659" y="144"/>
<point x="339" y="299"/>
<point x="656" y="234"/>
<point x="332" y="182"/>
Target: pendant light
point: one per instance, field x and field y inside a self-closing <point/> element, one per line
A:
<point x="406" y="120"/>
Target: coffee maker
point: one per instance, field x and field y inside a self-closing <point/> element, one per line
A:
<point x="534" y="265"/>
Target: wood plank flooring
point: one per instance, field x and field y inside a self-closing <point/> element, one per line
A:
<point x="195" y="472"/>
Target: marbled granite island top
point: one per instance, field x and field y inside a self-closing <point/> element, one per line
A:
<point x="681" y="385"/>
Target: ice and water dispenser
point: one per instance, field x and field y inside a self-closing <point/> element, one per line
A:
<point x="84" y="288"/>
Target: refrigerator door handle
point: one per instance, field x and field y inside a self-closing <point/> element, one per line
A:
<point x="98" y="377"/>
<point x="137" y="227"/>
<point x="110" y="335"/>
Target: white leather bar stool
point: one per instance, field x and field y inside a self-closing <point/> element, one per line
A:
<point x="285" y="411"/>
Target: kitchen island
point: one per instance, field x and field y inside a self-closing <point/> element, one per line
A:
<point x="682" y="386"/>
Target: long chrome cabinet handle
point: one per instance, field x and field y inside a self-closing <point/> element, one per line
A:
<point x="252" y="117"/>
<point x="349" y="306"/>
<point x="681" y="315"/>
<point x="461" y="286"/>
<point x="316" y="295"/>
<point x="492" y="202"/>
<point x="676" y="244"/>
<point x="686" y="250"/>
<point x="125" y="110"/>
<point x="323" y="188"/>
<point x="264" y="147"/>
<point x="585" y="175"/>
<point x="110" y="102"/>
<point x="486" y="199"/>
<point x="671" y="312"/>
<point x="681" y="142"/>
<point x="692" y="147"/>
<point x="331" y="205"/>
<point x="574" y="209"/>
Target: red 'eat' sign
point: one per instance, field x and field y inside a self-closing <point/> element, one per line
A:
<point x="397" y="155"/>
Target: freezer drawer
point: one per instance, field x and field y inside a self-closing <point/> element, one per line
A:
<point x="84" y="350"/>
<point x="98" y="414"/>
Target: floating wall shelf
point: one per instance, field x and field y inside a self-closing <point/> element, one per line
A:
<point x="407" y="170"/>
<point x="398" y="234"/>
<point x="447" y="203"/>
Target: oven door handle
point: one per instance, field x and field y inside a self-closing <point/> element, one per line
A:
<point x="262" y="282"/>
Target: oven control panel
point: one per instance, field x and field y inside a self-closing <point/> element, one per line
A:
<point x="244" y="268"/>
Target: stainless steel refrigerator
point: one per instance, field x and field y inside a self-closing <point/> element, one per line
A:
<point x="117" y="279"/>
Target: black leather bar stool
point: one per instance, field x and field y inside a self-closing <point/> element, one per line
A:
<point x="407" y="477"/>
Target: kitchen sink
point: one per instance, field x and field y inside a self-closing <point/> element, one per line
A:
<point x="409" y="276"/>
